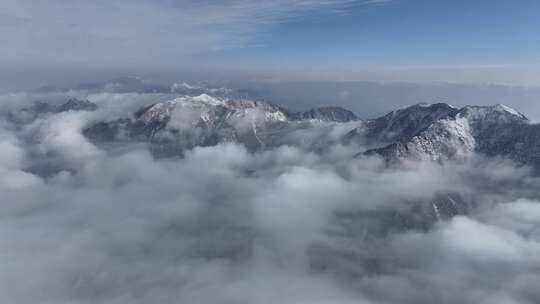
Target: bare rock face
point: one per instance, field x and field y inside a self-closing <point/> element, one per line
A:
<point x="336" y="114"/>
<point x="74" y="104"/>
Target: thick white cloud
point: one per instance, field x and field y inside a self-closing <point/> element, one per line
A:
<point x="12" y="158"/>
<point x="224" y="225"/>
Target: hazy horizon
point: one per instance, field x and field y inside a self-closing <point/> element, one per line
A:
<point x="485" y="42"/>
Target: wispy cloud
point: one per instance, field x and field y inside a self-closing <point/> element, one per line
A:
<point x="128" y="32"/>
<point x="377" y="2"/>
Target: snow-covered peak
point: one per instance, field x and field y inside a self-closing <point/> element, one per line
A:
<point x="501" y="107"/>
<point x="201" y="100"/>
<point x="260" y="112"/>
<point x="207" y="99"/>
<point x="158" y="112"/>
<point x="205" y="112"/>
<point x="188" y="109"/>
<point x="496" y="130"/>
<point x="491" y="113"/>
<point x="433" y="105"/>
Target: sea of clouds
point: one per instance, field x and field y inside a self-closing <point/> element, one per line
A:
<point x="224" y="225"/>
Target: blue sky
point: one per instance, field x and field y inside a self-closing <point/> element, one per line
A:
<point x="405" y="32"/>
<point x="469" y="41"/>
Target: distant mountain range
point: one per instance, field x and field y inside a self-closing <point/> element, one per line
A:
<point x="430" y="131"/>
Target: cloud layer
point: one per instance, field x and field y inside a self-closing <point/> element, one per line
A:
<point x="223" y="225"/>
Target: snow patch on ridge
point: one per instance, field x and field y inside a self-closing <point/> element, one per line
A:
<point x="508" y="109"/>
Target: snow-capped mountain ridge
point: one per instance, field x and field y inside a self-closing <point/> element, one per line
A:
<point x="188" y="121"/>
<point x="209" y="110"/>
<point x="496" y="130"/>
<point x="256" y="110"/>
<point x="435" y="131"/>
<point x="495" y="112"/>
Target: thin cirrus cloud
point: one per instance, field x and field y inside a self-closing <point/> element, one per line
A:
<point x="132" y="32"/>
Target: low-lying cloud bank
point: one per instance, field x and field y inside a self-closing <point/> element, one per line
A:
<point x="224" y="225"/>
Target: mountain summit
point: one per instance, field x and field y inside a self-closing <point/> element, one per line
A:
<point x="442" y="132"/>
<point x="204" y="120"/>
